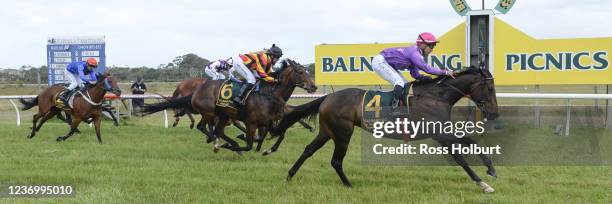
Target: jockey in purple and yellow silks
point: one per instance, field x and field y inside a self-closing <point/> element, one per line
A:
<point x="393" y="60"/>
<point x="256" y="64"/>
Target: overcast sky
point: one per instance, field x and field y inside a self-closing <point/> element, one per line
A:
<point x="149" y="33"/>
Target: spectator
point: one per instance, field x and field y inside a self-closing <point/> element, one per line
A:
<point x="138" y="88"/>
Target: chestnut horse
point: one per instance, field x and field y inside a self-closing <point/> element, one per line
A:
<point x="83" y="108"/>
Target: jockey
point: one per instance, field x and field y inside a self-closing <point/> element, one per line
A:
<point x="75" y="75"/>
<point x="391" y="61"/>
<point x="256" y="64"/>
<point x="215" y="69"/>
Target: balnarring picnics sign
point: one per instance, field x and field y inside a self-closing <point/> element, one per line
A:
<point x="518" y="59"/>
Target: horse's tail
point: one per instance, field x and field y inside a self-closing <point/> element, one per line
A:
<point x="184" y="101"/>
<point x="28" y="104"/>
<point x="310" y="109"/>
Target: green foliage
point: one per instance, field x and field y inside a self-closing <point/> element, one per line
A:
<point x="180" y="68"/>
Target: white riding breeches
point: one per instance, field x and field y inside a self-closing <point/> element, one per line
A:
<point x="384" y="70"/>
<point x="243" y="71"/>
<point x="212" y="73"/>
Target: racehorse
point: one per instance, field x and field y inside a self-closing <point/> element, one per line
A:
<point x="85" y="105"/>
<point x="185" y="88"/>
<point x="261" y="108"/>
<point x="432" y="101"/>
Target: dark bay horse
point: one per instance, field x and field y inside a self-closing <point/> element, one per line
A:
<point x="432" y="101"/>
<point x="186" y="88"/>
<point x="84" y="108"/>
<point x="261" y="108"/>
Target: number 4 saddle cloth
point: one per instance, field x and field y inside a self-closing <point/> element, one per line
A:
<point x="377" y="106"/>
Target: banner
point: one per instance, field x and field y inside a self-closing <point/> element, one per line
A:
<point x="523" y="60"/>
<point x="518" y="59"/>
<point x="350" y="64"/>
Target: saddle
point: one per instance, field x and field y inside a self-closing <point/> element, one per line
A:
<point x="377" y="106"/>
<point x="59" y="103"/>
<point x="229" y="90"/>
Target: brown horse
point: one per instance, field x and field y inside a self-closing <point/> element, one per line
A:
<point x="261" y="108"/>
<point x="185" y="88"/>
<point x="432" y="101"/>
<point x="84" y="108"/>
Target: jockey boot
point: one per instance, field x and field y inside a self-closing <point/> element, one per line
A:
<point x="242" y="93"/>
<point x="65" y="95"/>
<point x="397" y="96"/>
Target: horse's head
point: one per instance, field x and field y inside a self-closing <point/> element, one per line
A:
<point x="109" y="83"/>
<point x="481" y="90"/>
<point x="294" y="74"/>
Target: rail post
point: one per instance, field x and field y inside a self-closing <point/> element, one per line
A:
<point x="16" y="112"/>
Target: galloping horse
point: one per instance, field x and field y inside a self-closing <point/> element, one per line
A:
<point x="185" y="88"/>
<point x="85" y="105"/>
<point x="260" y="109"/>
<point x="431" y="101"/>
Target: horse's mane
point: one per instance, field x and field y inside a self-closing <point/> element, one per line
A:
<point x="419" y="86"/>
<point x="267" y="88"/>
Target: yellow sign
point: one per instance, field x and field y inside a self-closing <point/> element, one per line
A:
<point x="518" y="59"/>
<point x="350" y="64"/>
<point x="523" y="60"/>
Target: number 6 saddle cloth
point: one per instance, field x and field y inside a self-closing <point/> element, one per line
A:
<point x="230" y="89"/>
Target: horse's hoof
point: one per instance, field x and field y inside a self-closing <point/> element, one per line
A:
<point x="241" y="136"/>
<point x="311" y="130"/>
<point x="59" y="139"/>
<point x="239" y="153"/>
<point x="288" y="178"/>
<point x="190" y="126"/>
<point x="492" y="174"/>
<point x="267" y="152"/>
<point x="485" y="187"/>
<point x="116" y="124"/>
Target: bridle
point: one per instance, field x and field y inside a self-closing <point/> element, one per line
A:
<point x="481" y="84"/>
<point x="280" y="75"/>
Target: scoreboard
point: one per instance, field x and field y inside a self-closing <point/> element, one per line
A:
<point x="61" y="51"/>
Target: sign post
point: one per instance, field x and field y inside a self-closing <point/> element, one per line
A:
<point x="61" y="51"/>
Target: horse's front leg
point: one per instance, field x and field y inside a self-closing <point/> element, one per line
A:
<point x="97" y="122"/>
